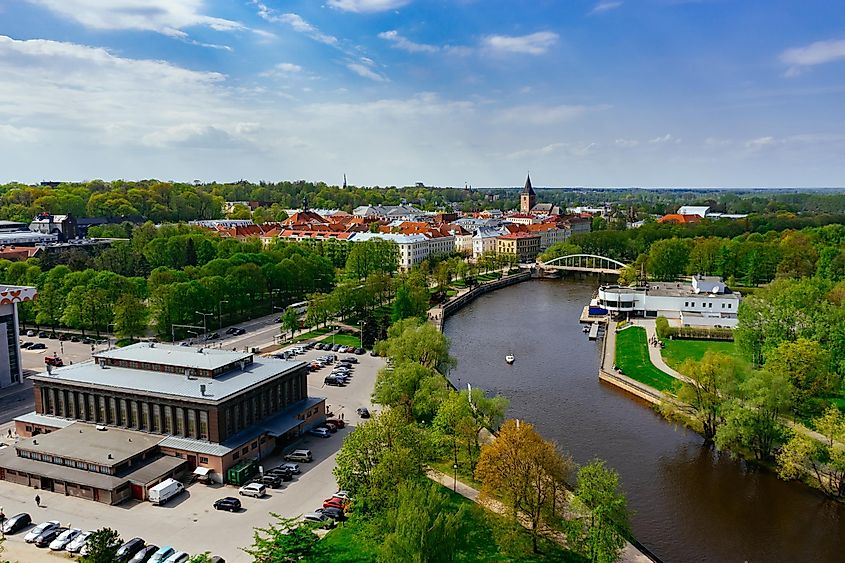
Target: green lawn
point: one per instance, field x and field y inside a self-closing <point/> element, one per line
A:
<point x="344" y="339"/>
<point x="351" y="542"/>
<point x="677" y="351"/>
<point x="312" y="334"/>
<point x="632" y="359"/>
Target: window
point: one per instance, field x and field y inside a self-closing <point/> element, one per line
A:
<point x="245" y="451"/>
<point x="168" y="420"/>
<point x="133" y="421"/>
<point x="112" y="410"/>
<point x="203" y="425"/>
<point x="729" y="305"/>
<point x="235" y="456"/>
<point x="124" y="416"/>
<point x="192" y="423"/>
<point x="156" y="418"/>
<point x="145" y="416"/>
<point x="203" y="459"/>
<point x="102" y="402"/>
<point x="254" y="445"/>
<point x="180" y="421"/>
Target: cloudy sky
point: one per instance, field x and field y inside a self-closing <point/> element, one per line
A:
<point x="607" y="93"/>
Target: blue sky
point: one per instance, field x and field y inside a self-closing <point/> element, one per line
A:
<point x="592" y="93"/>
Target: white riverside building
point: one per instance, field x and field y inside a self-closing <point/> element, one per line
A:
<point x="707" y="302"/>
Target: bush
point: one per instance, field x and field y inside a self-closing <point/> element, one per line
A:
<point x="661" y="325"/>
<point x="700" y="333"/>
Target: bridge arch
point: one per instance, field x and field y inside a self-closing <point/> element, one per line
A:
<point x="585" y="263"/>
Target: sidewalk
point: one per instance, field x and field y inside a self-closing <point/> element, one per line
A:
<point x="630" y="554"/>
<point x="654" y="351"/>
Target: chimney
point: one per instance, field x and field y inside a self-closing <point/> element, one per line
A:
<point x="202" y="390"/>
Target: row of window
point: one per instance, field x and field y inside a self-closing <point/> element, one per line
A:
<point x="141" y="415"/>
<point x="270" y="399"/>
<point x="707" y="305"/>
<point x="37" y="456"/>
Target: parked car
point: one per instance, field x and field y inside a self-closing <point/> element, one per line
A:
<point x="332" y="504"/>
<point x="162" y="554"/>
<point x="342" y="495"/>
<point x="277" y="320"/>
<point x="54" y="361"/>
<point x="319" y="518"/>
<point x="63" y="539"/>
<point x="256" y="490"/>
<point x="38" y="346"/>
<point x="281" y="473"/>
<point x="331" y="427"/>
<point x="212" y="336"/>
<point x="359" y="351"/>
<point x="78" y="542"/>
<point x="144" y="554"/>
<point x="164" y="491"/>
<point x="272" y="481"/>
<point x="300" y="456"/>
<point x="128" y="549"/>
<point x="320" y="432"/>
<point x="227" y="503"/>
<point x="292" y="467"/>
<point x="231" y="330"/>
<point x="33" y="534"/>
<point x="42" y="334"/>
<point x="178" y="557"/>
<point x="335" y="514"/>
<point x="74" y="338"/>
<point x="239" y="331"/>
<point x="31" y="332"/>
<point x="26" y="344"/>
<point x="48" y="535"/>
<point x="335" y="347"/>
<point x="341" y="502"/>
<point x="363" y="412"/>
<point x="350" y="359"/>
<point x="332" y="380"/>
<point x="18" y="522"/>
<point x="337" y="422"/>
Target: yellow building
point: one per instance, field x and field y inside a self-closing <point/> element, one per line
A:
<point x="526" y="246"/>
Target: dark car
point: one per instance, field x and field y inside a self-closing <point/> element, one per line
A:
<point x="87" y="341"/>
<point x="42" y="334"/>
<point x="359" y="351"/>
<point x="38" y="346"/>
<point x="281" y="473"/>
<point x="129" y="548"/>
<point x="337" y="422"/>
<point x="48" y="536"/>
<point x="239" y="331"/>
<point x="272" y="481"/>
<point x="26" y="344"/>
<point x="144" y="554"/>
<point x="334" y="513"/>
<point x="332" y="428"/>
<point x="227" y="503"/>
<point x="363" y="412"/>
<point x="16" y="523"/>
<point x="231" y="330"/>
<point x="350" y="359"/>
<point x="332" y="380"/>
<point x="212" y="336"/>
<point x="74" y="339"/>
<point x="277" y="320"/>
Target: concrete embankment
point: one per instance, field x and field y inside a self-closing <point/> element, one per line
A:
<point x="464" y="297"/>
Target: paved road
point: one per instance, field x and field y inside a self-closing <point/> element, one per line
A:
<point x="190" y="523"/>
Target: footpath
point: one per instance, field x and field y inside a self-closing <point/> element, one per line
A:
<point x="630" y="554"/>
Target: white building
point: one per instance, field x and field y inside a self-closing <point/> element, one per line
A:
<point x="700" y="210"/>
<point x="707" y="302"/>
<point x="413" y="249"/>
<point x="390" y="212"/>
<point x="484" y="240"/>
<point x="11" y="369"/>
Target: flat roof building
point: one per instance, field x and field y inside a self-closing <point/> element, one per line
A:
<point x="208" y="408"/>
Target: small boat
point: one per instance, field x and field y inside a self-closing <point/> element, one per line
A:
<point x="586" y="329"/>
<point x="509" y="359"/>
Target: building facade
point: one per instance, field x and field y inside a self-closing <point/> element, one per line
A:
<point x="527" y="198"/>
<point x="11" y="370"/>
<point x="525" y="246"/>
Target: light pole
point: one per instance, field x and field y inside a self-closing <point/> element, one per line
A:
<point x="220" y="314"/>
<point x="204" y="325"/>
<point x="455" y="481"/>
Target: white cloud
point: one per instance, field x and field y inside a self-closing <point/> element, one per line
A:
<point x="761" y="143"/>
<point x="406" y="44"/>
<point x="543" y="115"/>
<point x="606" y="6"/>
<point x="302" y="26"/>
<point x="168" y="17"/>
<point x="12" y="134"/>
<point x="367" y="6"/>
<point x="665" y="139"/>
<point x="820" y="52"/>
<point x="366" y="72"/>
<point x="288" y="67"/>
<point x="532" y="44"/>
<point x="626" y="143"/>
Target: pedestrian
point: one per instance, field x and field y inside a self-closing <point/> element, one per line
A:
<point x="38" y="501"/>
<point x="10" y="432"/>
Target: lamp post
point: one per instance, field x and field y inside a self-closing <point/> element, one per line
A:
<point x="455" y="480"/>
<point x="220" y="314"/>
<point x="204" y="325"/>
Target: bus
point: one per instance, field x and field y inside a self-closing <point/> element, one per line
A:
<point x="298" y="308"/>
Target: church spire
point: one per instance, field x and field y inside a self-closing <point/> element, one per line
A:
<point x="344" y="181"/>
<point x="528" y="189"/>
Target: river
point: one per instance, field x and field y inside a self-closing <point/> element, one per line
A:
<point x="688" y="503"/>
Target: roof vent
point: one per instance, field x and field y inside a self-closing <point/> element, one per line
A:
<point x="152" y="344"/>
<point x="99" y="427"/>
<point x="243" y="365"/>
<point x="199" y="350"/>
<point x="34" y="442"/>
<point x="102" y="362"/>
<point x="111" y="457"/>
<point x="202" y="390"/>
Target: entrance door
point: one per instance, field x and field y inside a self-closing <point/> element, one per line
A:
<point x="96" y="494"/>
<point x="47" y="484"/>
<point x="137" y="491"/>
<point x="192" y="461"/>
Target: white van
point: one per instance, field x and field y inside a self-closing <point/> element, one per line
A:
<point x="164" y="491"/>
<point x="302" y="456"/>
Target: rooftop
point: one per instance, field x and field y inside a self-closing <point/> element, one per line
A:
<point x="83" y="442"/>
<point x="169" y="384"/>
<point x="179" y="356"/>
<point x="669" y="289"/>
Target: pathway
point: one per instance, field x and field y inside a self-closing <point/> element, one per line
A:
<point x="630" y="554"/>
<point x="654" y="351"/>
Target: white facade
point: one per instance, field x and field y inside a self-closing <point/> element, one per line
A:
<point x="484" y="240"/>
<point x="413" y="249"/>
<point x="700" y="210"/>
<point x="463" y="243"/>
<point x="673" y="301"/>
<point x="522" y="220"/>
<point x="549" y="237"/>
<point x="441" y="245"/>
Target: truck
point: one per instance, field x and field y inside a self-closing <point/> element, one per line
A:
<point x="164" y="491"/>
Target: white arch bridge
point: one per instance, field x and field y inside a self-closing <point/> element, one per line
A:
<point x="584" y="263"/>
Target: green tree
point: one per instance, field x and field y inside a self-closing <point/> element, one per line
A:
<point x="131" y="317"/>
<point x="754" y="419"/>
<point x="290" y="321"/>
<point x="412" y="341"/>
<point x="559" y="249"/>
<point x="805" y="364"/>
<point x="423" y="529"/>
<point x="204" y="557"/>
<point x="415" y="389"/>
<point x="455" y="423"/>
<point x="102" y="546"/>
<point x="602" y="514"/>
<point x="667" y="259"/>
<point x="803" y="457"/>
<point x="712" y="382"/>
<point x="286" y="540"/>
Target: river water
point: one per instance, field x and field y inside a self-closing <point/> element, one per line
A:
<point x="688" y="503"/>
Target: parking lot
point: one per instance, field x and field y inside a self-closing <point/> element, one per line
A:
<point x="188" y="522"/>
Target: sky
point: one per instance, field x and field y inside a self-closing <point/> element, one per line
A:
<point x="446" y="92"/>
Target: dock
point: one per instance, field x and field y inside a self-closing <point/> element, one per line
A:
<point x="594" y="330"/>
<point x="587" y="318"/>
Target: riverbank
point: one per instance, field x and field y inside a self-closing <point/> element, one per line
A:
<point x="439" y="313"/>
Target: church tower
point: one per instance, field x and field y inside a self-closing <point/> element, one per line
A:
<point x="527" y="199"/>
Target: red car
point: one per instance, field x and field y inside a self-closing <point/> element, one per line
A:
<point x="337" y="422"/>
<point x="335" y="502"/>
<point x="53" y="361"/>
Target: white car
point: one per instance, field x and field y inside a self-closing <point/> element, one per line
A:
<point x="320" y="432"/>
<point x="77" y="543"/>
<point x="178" y="557"/>
<point x="63" y="539"/>
<point x="292" y="467"/>
<point x="39" y="529"/>
<point x="342" y="494"/>
<point x="256" y="490"/>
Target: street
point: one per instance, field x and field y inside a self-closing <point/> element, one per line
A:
<point x="189" y="522"/>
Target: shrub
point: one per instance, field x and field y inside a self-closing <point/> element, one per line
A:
<point x="661" y="325"/>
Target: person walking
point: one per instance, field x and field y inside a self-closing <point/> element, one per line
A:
<point x="38" y="501"/>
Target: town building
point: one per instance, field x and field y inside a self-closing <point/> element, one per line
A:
<point x="525" y="246"/>
<point x="413" y="249"/>
<point x="706" y="302"/>
<point x="528" y="197"/>
<point x="64" y="226"/>
<point x="484" y="240"/>
<point x="181" y="408"/>
<point x="11" y="370"/>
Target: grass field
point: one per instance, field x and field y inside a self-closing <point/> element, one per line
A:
<point x="351" y="543"/>
<point x="677" y="351"/>
<point x="344" y="339"/>
<point x="632" y="359"/>
<point x="312" y="334"/>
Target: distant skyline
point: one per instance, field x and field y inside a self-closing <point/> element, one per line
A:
<point x="686" y="93"/>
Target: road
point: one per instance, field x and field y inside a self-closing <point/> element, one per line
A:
<point x="189" y="522"/>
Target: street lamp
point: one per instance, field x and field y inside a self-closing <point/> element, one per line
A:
<point x="204" y="325"/>
<point x="220" y="314"/>
<point x="455" y="481"/>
